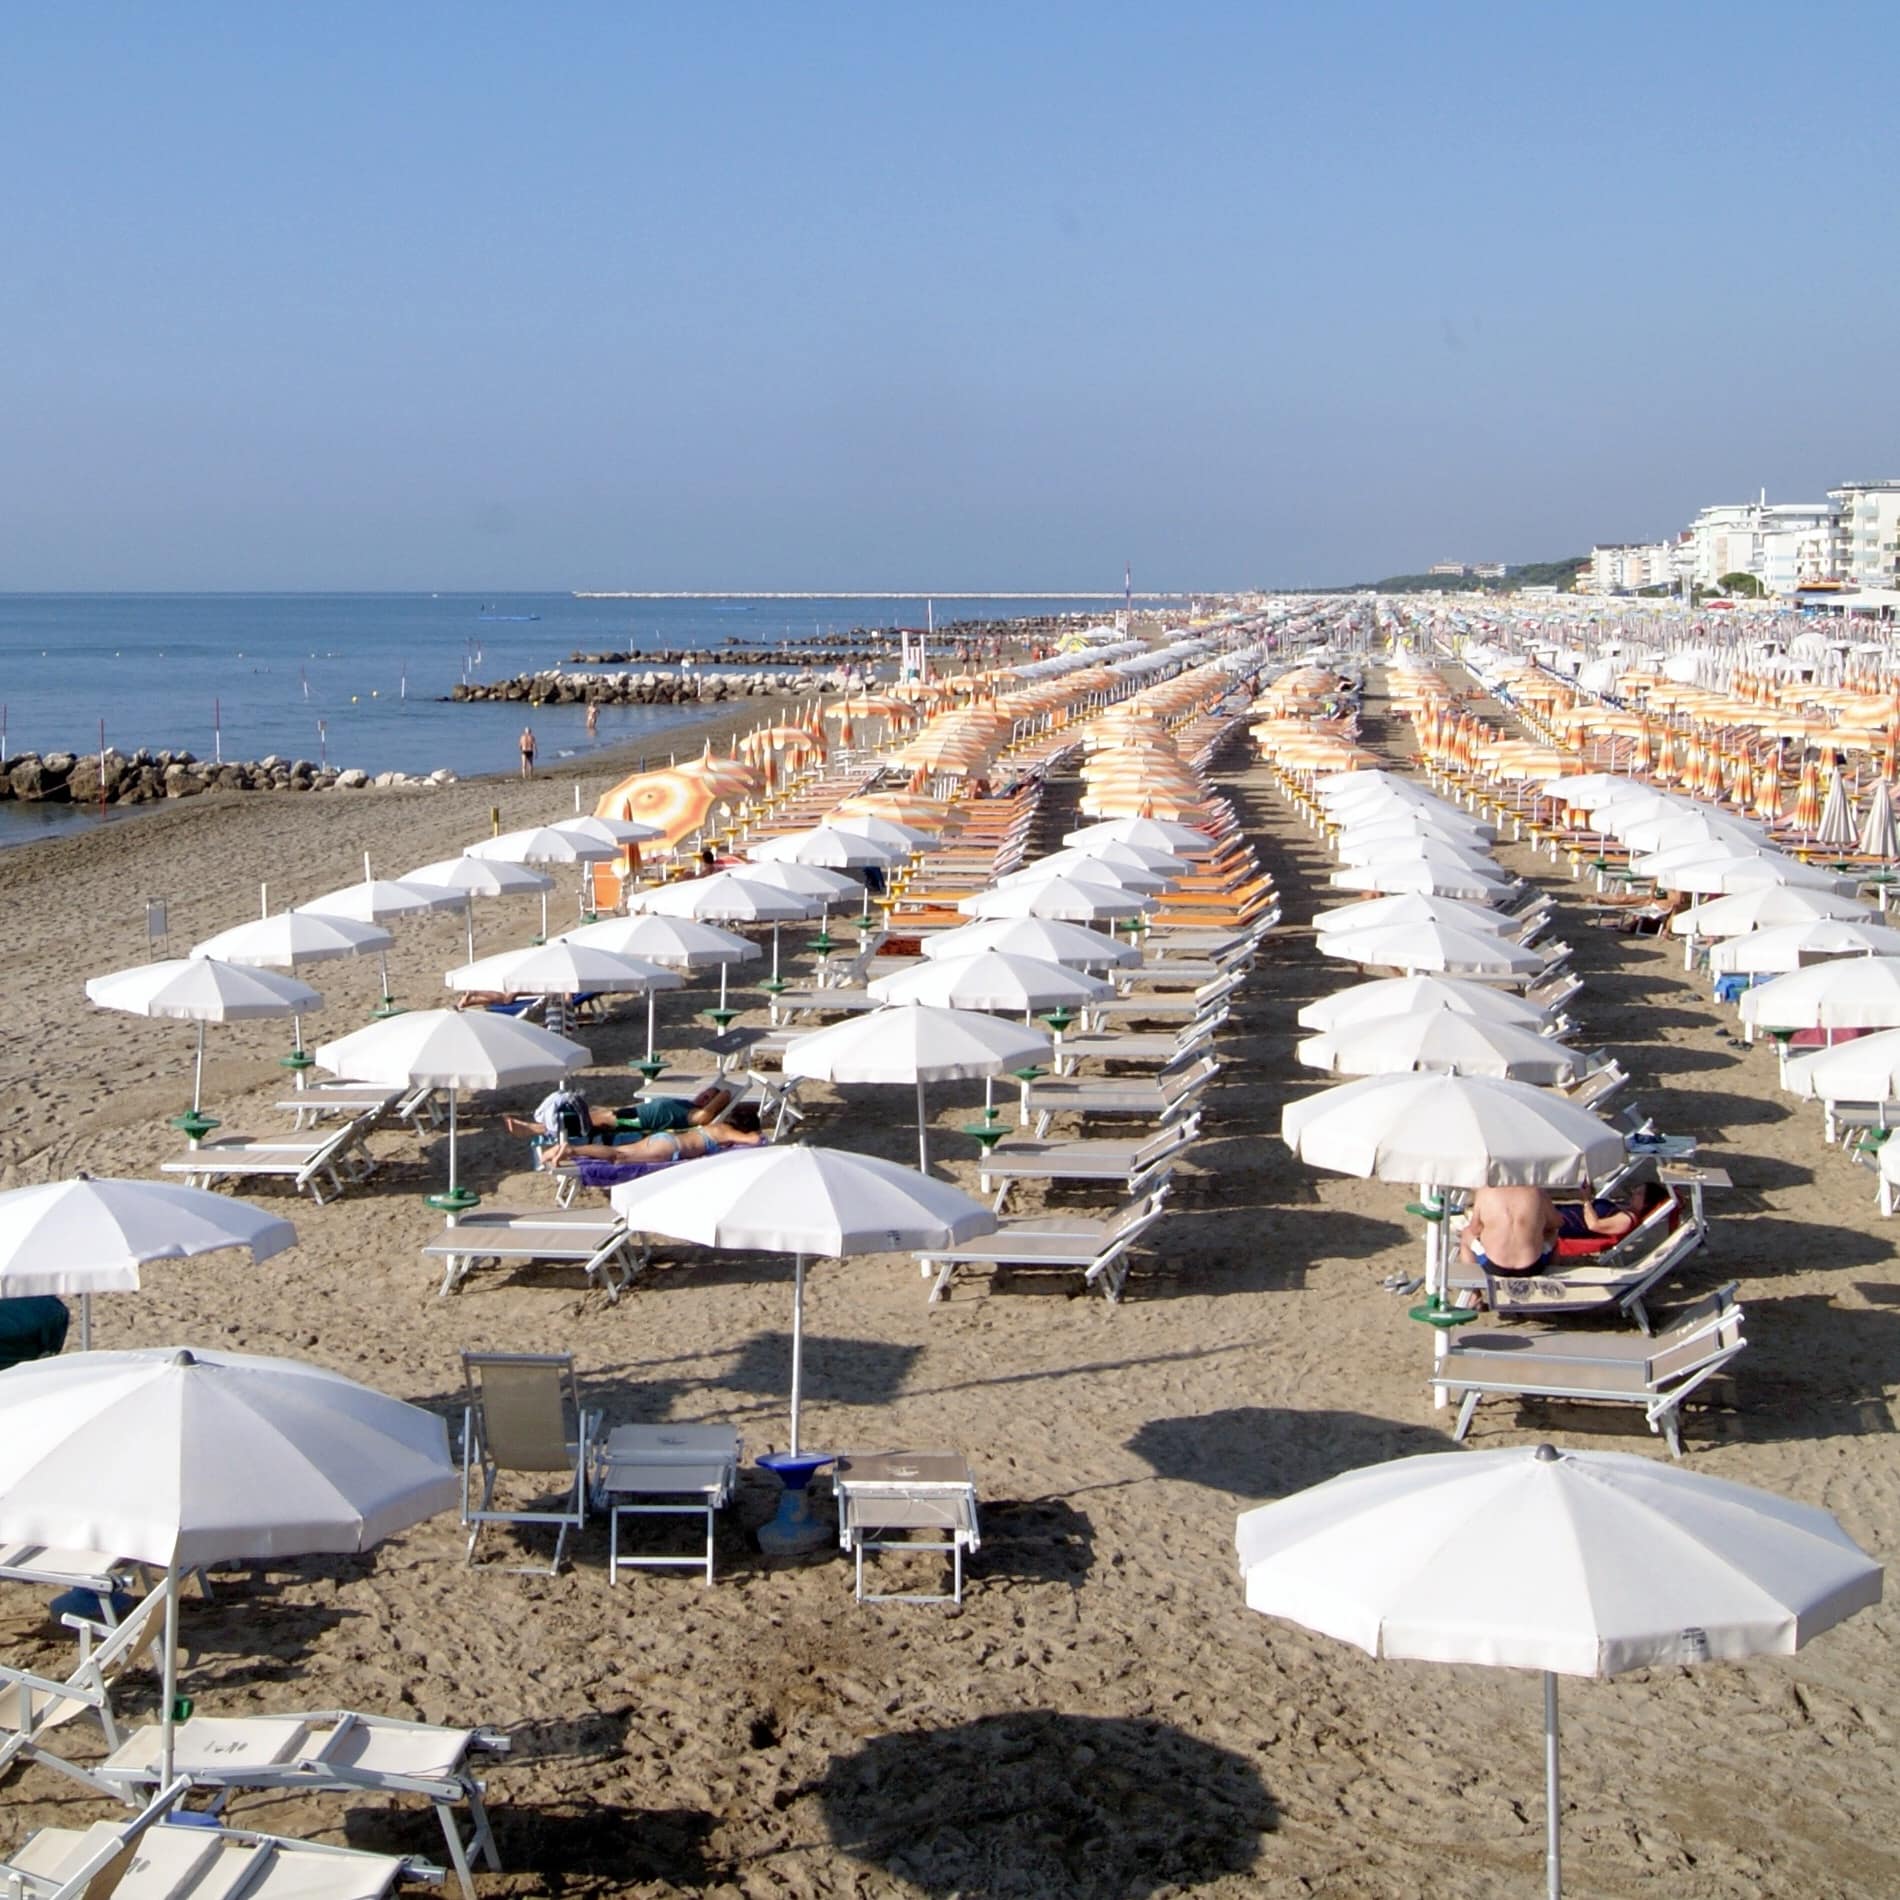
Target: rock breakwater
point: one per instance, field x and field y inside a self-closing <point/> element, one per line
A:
<point x="144" y="777"/>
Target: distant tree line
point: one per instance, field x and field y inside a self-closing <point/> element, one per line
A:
<point x="1559" y="574"/>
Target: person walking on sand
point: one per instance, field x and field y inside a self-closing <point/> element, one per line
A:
<point x="527" y="752"/>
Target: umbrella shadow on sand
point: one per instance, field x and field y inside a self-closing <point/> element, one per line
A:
<point x="1038" y="1803"/>
<point x="1257" y="1451"/>
<point x="583" y="1846"/>
<point x="850" y="1371"/>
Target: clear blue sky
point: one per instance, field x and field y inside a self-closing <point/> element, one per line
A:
<point x="955" y="297"/>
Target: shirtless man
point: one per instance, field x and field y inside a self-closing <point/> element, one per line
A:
<point x="1510" y="1230"/>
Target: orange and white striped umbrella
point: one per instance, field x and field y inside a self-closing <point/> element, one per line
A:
<point x="1807" y="799"/>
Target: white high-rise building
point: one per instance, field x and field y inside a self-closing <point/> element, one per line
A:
<point x="1628" y="567"/>
<point x="1869" y="532"/>
<point x="1780" y="545"/>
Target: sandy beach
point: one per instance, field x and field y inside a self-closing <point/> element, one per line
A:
<point x="1103" y="1716"/>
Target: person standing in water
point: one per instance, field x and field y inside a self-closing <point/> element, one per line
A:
<point x="527" y="752"/>
<point x="593" y="717"/>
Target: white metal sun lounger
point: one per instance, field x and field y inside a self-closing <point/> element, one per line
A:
<point x="1624" y="1368"/>
<point x="338" y="1160"/>
<point x="1157" y="1047"/>
<point x="48" y="1568"/>
<point x="665" y="1471"/>
<point x="330" y="1751"/>
<point x="1099" y="1247"/>
<point x="1164" y="1098"/>
<point x="906" y="1501"/>
<point x="602" y="1247"/>
<point x="316" y="1103"/>
<point x="1132" y="1166"/>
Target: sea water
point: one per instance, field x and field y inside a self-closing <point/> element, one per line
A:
<point x="362" y="679"/>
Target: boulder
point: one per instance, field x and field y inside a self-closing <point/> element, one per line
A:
<point x="351" y="781"/>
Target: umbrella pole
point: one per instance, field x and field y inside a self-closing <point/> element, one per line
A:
<point x="798" y="1342"/>
<point x="1553" y="1805"/>
<point x="469" y="902"/>
<point x="544" y="918"/>
<point x="652" y="998"/>
<point x="169" y="1676"/>
<point x="923" y="1145"/>
<point x="85" y="1322"/>
<point x="722" y="984"/>
<point x="198" y="1071"/>
<point x="774" y="956"/>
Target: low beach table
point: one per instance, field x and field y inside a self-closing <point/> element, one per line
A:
<point x="598" y="1242"/>
<point x="884" y="1496"/>
<point x="666" y="1471"/>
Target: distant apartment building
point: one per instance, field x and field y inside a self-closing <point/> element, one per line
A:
<point x="1455" y="569"/>
<point x="1781" y="544"/>
<point x="1628" y="567"/>
<point x="1488" y="570"/>
<point x="1869" y="534"/>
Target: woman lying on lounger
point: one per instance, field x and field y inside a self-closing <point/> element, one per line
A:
<point x="652" y="1115"/>
<point x="740" y="1129"/>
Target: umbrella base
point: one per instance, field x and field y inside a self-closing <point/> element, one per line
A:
<point x="775" y="984"/>
<point x="193" y="1126"/>
<point x="1031" y="1074"/>
<point x="796" y="1529"/>
<point x="721" y="1016"/>
<point x="824" y="943"/>
<point x="454" y="1200"/>
<point x="987" y="1133"/>
<point x="386" y="1008"/>
<point x="298" y="1059"/>
<point x="1436" y="1313"/>
<point x="648" y="1068"/>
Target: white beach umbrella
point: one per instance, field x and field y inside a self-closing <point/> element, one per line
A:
<point x="1865" y="1070"/>
<point x="203" y="990"/>
<point x="902" y="838"/>
<point x="1416" y="848"/>
<point x="676" y="943"/>
<point x="1410" y="825"/>
<point x="1639" y="1565"/>
<point x="1061" y="899"/>
<point x="1440" y="949"/>
<point x="548" y="844"/>
<point x="618" y="832"/>
<point x="1436" y="879"/>
<point x="993" y="980"/>
<point x="1785" y="947"/>
<point x="382" y="900"/>
<point x="1077" y="867"/>
<point x="1440" y="1040"/>
<point x="830" y="847"/>
<point x="814" y="882"/>
<point x="1161" y="834"/>
<point x="87" y="1235"/>
<point x="1879" y="835"/>
<point x="1392" y="995"/>
<point x="1041" y="937"/>
<point x="1837" y="815"/>
<point x="1580" y="790"/>
<point x="1134" y="857"/>
<point x="915" y="1043"/>
<point x="182" y="1458"/>
<point x="728" y="897"/>
<point x="293" y="939"/>
<point x="1716" y="876"/>
<point x="1842" y="993"/>
<point x="470" y="878"/>
<point x="1451" y="1131"/>
<point x="455" y="1050"/>
<point x="1664" y="831"/>
<point x="1409" y="907"/>
<point x="1763" y="905"/>
<point x="562" y="968"/>
<point x="812" y="1203"/>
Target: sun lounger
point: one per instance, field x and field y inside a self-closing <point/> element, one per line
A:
<point x="906" y="1501"/>
<point x="143" y="1859"/>
<point x="1099" y="1247"/>
<point x="1132" y="1166"/>
<point x="32" y="1704"/>
<point x="331" y="1751"/>
<point x="602" y="1246"/>
<point x="1164" y="1098"/>
<point x="1658" y="1374"/>
<point x="665" y="1471"/>
<point x="1158" y="1047"/>
<point x="524" y="1416"/>
<point x="47" y="1568"/>
<point x="1551" y="993"/>
<point x="337" y="1161"/>
<point x="1159" y="1005"/>
<point x="418" y="1106"/>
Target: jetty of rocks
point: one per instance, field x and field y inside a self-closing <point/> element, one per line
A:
<point x="142" y="777"/>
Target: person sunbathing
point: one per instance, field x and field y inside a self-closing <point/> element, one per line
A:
<point x="651" y="1115"/>
<point x="1510" y="1230"/>
<point x="740" y="1129"/>
<point x="1602" y="1219"/>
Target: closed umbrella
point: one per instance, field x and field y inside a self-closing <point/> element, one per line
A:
<point x="1879" y="835"/>
<point x="179" y="1458"/>
<point x="470" y="878"/>
<point x="1837" y="815"/>
<point x="1439" y="948"/>
<point x="1638" y="1565"/>
<point x="823" y="1203"/>
<point x="915" y="1043"/>
<point x="203" y="990"/>
<point x="1843" y="993"/>
<point x="1784" y="947"/>
<point x="452" y="1049"/>
<point x="1394" y="995"/>
<point x="1440" y="1040"/>
<point x="87" y="1235"/>
<point x="1044" y="938"/>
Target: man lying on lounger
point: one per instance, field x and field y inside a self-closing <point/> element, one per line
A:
<point x="1510" y="1230"/>
<point x="740" y="1129"/>
<point x="652" y="1115"/>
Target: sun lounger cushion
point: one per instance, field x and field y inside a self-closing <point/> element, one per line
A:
<point x="31" y="1328"/>
<point x="595" y="1173"/>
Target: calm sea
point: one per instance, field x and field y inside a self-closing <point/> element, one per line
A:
<point x="360" y="679"/>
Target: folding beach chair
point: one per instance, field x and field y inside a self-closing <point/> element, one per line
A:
<point x="1656" y="1374"/>
<point x="524" y="1416"/>
<point x="599" y="1243"/>
<point x="1099" y="1247"/>
<point x="906" y="1501"/>
<point x="31" y="1705"/>
<point x="332" y="1751"/>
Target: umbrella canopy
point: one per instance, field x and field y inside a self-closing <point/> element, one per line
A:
<point x="1712" y="876"/>
<point x="1416" y="848"/>
<point x="1843" y="993"/>
<point x="1410" y="907"/>
<point x="1837" y="815"/>
<point x="990" y="979"/>
<point x="1411" y="824"/>
<point x="1442" y="949"/>
<point x="293" y="938"/>
<point x="1063" y="899"/>
<point x="1077" y="867"/>
<point x="1764" y="905"/>
<point x="1452" y="1131"/>
<point x="1040" y="937"/>
<point x="831" y="847"/>
<point x="1784" y="947"/>
<point x="901" y="838"/>
<point x="202" y="990"/>
<point x="480" y="877"/>
<point x="1440" y="1040"/>
<point x="381" y="900"/>
<point x="561" y="968"/>
<point x="821" y="1202"/>
<point x="210" y="1456"/>
<point x="1438" y="879"/>
<point x="805" y="880"/>
<point x="617" y="832"/>
<point x="1638" y="1565"/>
<point x="1159" y="834"/>
<point x="1394" y="995"/>
<point x="1665" y="830"/>
<point x="728" y="898"/>
<point x="677" y="942"/>
<point x="915" y="1043"/>
<point x="546" y="844"/>
<point x="1879" y="835"/>
<point x="1864" y="1070"/>
<point x="1161" y="865"/>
